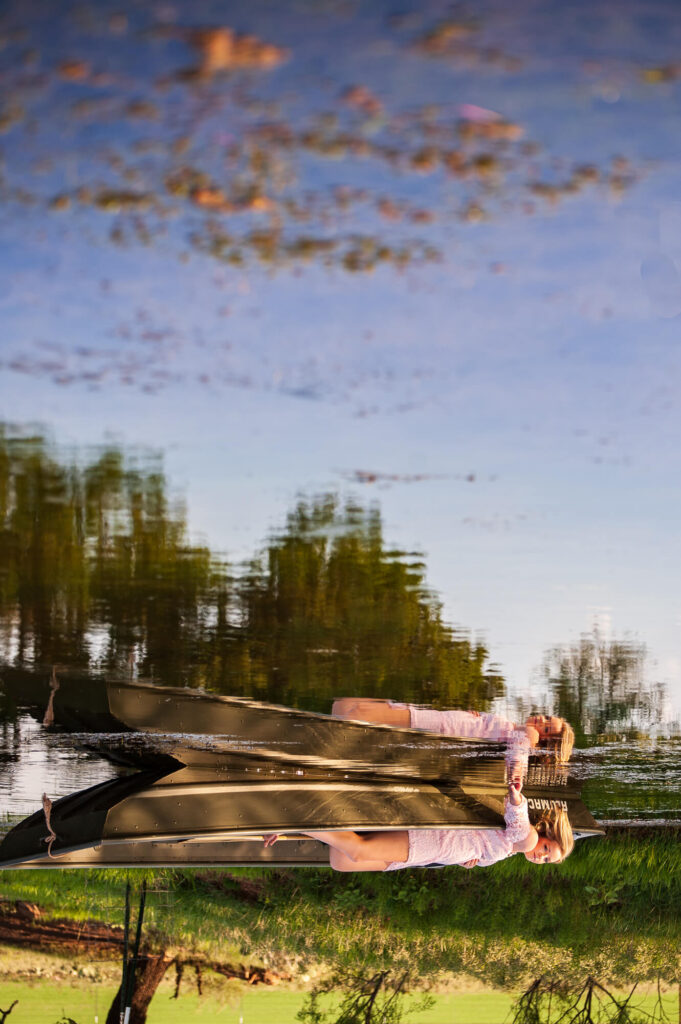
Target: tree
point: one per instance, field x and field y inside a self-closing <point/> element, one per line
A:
<point x="96" y="567"/>
<point x="149" y="972"/>
<point x="379" y="998"/>
<point x="599" y="686"/>
<point x="4" y="1014"/>
<point x="547" y="1001"/>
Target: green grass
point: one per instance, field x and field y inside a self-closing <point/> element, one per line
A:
<point x="614" y="908"/>
<point x="45" y="1004"/>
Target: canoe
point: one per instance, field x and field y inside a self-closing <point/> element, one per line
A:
<point x="216" y="812"/>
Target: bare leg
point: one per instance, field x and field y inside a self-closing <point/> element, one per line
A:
<point x="364" y="851"/>
<point x="366" y="709"/>
<point x="341" y="862"/>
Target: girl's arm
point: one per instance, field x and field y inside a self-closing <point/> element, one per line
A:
<point x="516" y="757"/>
<point x="516" y="815"/>
<point x="462" y="724"/>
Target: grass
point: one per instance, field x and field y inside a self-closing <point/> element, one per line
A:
<point x="613" y="908"/>
<point x="46" y="1004"/>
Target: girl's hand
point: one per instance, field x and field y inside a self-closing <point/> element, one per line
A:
<point x="532" y="735"/>
<point x="470" y="863"/>
<point x="515" y="792"/>
<point x="270" y="839"/>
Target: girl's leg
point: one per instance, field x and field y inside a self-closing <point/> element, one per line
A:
<point x="367" y="851"/>
<point x="341" y="862"/>
<point x="367" y="709"/>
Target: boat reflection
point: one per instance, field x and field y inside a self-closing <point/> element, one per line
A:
<point x="84" y="704"/>
<point x="213" y="775"/>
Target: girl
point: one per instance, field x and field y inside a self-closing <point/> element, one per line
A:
<point x="548" y="842"/>
<point x="538" y="731"/>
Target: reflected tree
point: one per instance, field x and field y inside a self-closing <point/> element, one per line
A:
<point x="97" y="572"/>
<point x="153" y="593"/>
<point x="95" y="565"/>
<point x="43" y="583"/>
<point x="600" y="687"/>
<point x="547" y="1001"/>
<point x="379" y="998"/>
<point x="327" y="604"/>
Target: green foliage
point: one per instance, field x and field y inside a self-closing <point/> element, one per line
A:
<point x="604" y="896"/>
<point x="416" y="893"/>
<point x="350" y="898"/>
<point x="336" y="612"/>
<point x="97" y="551"/>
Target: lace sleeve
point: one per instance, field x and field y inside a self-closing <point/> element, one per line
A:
<point x="517" y="821"/>
<point x="517" y="752"/>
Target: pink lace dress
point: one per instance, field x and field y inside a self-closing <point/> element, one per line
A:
<point x="465" y="725"/>
<point x="474" y="725"/>
<point x="457" y="846"/>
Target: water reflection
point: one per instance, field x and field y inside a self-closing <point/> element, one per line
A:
<point x="93" y="708"/>
<point x="99" y="573"/>
<point x="101" y="586"/>
<point x="547" y="732"/>
<point x="212" y="770"/>
<point x="600" y="685"/>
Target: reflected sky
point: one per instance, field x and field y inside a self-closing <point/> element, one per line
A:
<point x="505" y="387"/>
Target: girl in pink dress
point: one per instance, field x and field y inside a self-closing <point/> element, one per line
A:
<point x="538" y="731"/>
<point x="548" y="842"/>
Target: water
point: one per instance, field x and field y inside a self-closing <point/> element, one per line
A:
<point x="342" y="363"/>
<point x="510" y="404"/>
<point x="115" y="581"/>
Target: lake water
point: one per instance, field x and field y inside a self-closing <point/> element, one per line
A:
<point x="345" y="361"/>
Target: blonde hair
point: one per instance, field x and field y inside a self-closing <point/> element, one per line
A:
<point x="562" y="744"/>
<point x="554" y="824"/>
<point x="565" y="743"/>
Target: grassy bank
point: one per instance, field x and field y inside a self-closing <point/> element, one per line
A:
<point x="613" y="908"/>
